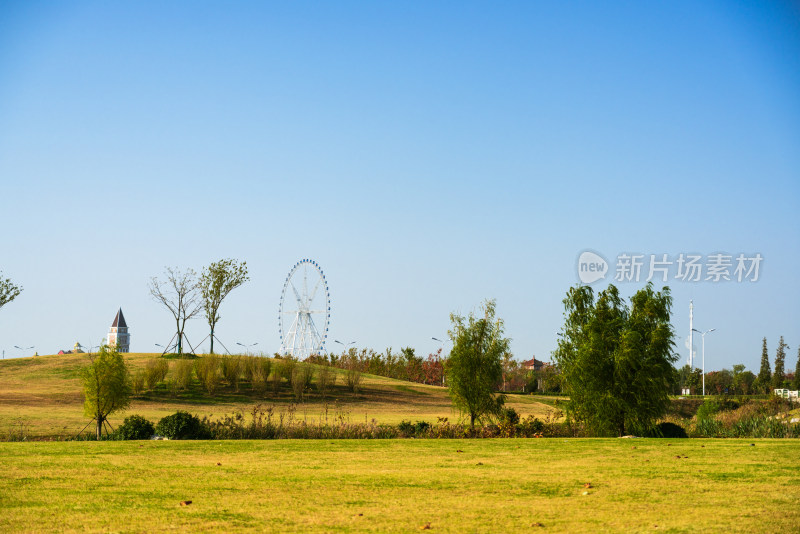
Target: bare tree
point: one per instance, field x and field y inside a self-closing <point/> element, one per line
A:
<point x="180" y="294"/>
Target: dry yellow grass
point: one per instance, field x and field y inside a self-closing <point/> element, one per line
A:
<point x="41" y="398"/>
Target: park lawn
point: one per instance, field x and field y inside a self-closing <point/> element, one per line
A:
<point x="41" y="398"/>
<point x="497" y="485"/>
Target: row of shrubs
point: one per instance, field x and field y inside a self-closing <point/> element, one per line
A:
<point x="266" y="423"/>
<point x="259" y="373"/>
<point x="731" y="418"/>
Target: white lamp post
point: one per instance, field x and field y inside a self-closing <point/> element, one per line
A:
<point x="22" y="348"/>
<point x="345" y="345"/>
<point x="703" y="336"/>
<point x="247" y="347"/>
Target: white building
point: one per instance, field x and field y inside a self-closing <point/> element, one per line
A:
<point x="118" y="334"/>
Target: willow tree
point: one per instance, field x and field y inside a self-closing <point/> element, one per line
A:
<point x="616" y="361"/>
<point x="475" y="367"/>
<point x="106" y="385"/>
<point x="216" y="281"/>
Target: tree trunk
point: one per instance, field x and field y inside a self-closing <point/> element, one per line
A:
<point x="472" y="421"/>
<point x="212" y="340"/>
<point x="99" y="426"/>
<point x="180" y="343"/>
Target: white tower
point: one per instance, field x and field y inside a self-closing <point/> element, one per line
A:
<point x="691" y="330"/>
<point x="118" y="334"/>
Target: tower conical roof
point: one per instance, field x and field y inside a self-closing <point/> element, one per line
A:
<point x="119" y="320"/>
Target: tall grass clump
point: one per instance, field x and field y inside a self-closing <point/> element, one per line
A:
<point x="751" y="420"/>
<point x="302" y="377"/>
<point x="138" y="382"/>
<point x="207" y="370"/>
<point x="182" y="374"/>
<point x="248" y="368"/>
<point x="232" y="370"/>
<point x="285" y="368"/>
<point x="326" y="380"/>
<point x="267" y="423"/>
<point x="353" y="380"/>
<point x="275" y="381"/>
<point x="259" y="373"/>
<point x="155" y="372"/>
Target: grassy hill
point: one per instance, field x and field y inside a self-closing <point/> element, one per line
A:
<point x="41" y="397"/>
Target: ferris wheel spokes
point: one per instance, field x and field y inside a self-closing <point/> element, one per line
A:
<point x="304" y="337"/>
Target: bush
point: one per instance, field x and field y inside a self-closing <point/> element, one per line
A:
<point x="285" y="368"/>
<point x="707" y="410"/>
<point x="302" y="375"/>
<point x="510" y="416"/>
<point x="275" y="381"/>
<point x="406" y="428"/>
<point x="181" y="425"/>
<point x="232" y="370"/>
<point x="207" y="369"/>
<point x="326" y="380"/>
<point x="135" y="427"/>
<point x="259" y="369"/>
<point x="421" y="427"/>
<point x="155" y="371"/>
<point x="669" y="430"/>
<point x="531" y="426"/>
<point x="248" y="368"/>
<point x="137" y="382"/>
<point x="353" y="380"/>
<point x="183" y="374"/>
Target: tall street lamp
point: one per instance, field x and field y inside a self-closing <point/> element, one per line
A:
<point x="703" y="337"/>
<point x="23" y="349"/>
<point x="345" y="345"/>
<point x="247" y="347"/>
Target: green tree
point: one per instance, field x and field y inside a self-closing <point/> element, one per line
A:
<point x="106" y="385"/>
<point x="616" y="362"/>
<point x="8" y="291"/>
<point x="780" y="358"/>
<point x="216" y="281"/>
<point x="739" y="379"/>
<point x="509" y="368"/>
<point x="796" y="381"/>
<point x="690" y="378"/>
<point x="475" y="364"/>
<point x="719" y="382"/>
<point x="764" y="374"/>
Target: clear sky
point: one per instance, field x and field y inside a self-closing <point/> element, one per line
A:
<point x="428" y="155"/>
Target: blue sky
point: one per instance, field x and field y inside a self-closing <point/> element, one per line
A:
<point x="427" y="155"/>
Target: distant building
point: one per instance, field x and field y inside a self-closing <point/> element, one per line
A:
<point x="118" y="334"/>
<point x="533" y="365"/>
<point x="77" y="349"/>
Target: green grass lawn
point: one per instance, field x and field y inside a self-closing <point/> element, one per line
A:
<point x="502" y="485"/>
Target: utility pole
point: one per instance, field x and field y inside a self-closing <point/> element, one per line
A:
<point x="691" y="341"/>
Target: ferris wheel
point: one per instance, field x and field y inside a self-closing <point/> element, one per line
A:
<point x="305" y="310"/>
